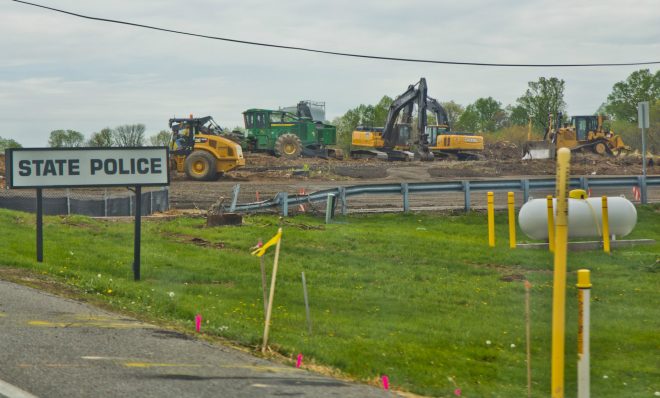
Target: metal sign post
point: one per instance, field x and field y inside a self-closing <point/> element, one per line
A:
<point x="138" y="232"/>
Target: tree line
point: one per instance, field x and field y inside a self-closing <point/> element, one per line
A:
<point x="542" y="97"/>
<point x="485" y="115"/>
<point x="127" y="135"/>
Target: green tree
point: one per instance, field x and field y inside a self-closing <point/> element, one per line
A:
<point x="640" y="86"/>
<point x="160" y="139"/>
<point x="6" y="143"/>
<point x="543" y="97"/>
<point x="454" y="111"/>
<point x="517" y="115"/>
<point x="101" y="139"/>
<point x="485" y="114"/>
<point x="129" y="135"/>
<point x="65" y="139"/>
<point x="381" y="110"/>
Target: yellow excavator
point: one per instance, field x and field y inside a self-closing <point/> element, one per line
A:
<point x="397" y="139"/>
<point x="199" y="148"/>
<point x="583" y="133"/>
<point x="445" y="143"/>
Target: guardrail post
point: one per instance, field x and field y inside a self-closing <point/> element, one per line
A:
<point x="466" y="194"/>
<point x="284" y="202"/>
<point x="151" y="202"/>
<point x="342" y="198"/>
<point x="641" y="181"/>
<point x="329" y="206"/>
<point x="234" y="199"/>
<point x="130" y="204"/>
<point x="406" y="202"/>
<point x="525" y="188"/>
<point x="584" y="183"/>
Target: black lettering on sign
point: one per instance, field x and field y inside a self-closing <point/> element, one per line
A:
<point x="38" y="163"/>
<point x="143" y="166"/>
<point x="95" y="165"/>
<point x="110" y="166"/>
<point x="122" y="170"/>
<point x="74" y="167"/>
<point x="156" y="166"/>
<point x="60" y="164"/>
<point x="49" y="168"/>
<point x="24" y="168"/>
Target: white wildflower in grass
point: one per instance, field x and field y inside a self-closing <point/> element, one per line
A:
<point x="171" y="294"/>
<point x="606" y="377"/>
<point x="488" y="342"/>
<point x="657" y="394"/>
<point x="513" y="346"/>
<point x="98" y="276"/>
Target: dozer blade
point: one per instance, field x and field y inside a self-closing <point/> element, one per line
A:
<point x="538" y="150"/>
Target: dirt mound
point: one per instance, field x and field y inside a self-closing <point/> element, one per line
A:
<point x="502" y="150"/>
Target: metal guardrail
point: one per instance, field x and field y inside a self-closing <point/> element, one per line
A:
<point x="283" y="200"/>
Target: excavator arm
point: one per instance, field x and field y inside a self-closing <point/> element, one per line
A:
<point x="407" y="99"/>
<point x="440" y="113"/>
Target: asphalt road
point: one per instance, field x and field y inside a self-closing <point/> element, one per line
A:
<point x="56" y="347"/>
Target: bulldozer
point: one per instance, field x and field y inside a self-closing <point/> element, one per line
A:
<point x="583" y="133"/>
<point x="200" y="148"/>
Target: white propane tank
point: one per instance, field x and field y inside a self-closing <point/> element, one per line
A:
<point x="584" y="217"/>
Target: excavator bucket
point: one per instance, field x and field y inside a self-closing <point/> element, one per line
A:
<point x="538" y="150"/>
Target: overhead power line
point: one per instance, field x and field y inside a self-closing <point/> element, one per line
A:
<point x="343" y="54"/>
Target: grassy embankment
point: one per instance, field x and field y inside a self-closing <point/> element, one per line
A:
<point x="420" y="298"/>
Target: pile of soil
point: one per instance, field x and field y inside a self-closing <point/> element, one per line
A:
<point x="502" y="150"/>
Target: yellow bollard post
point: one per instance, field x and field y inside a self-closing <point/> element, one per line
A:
<point x="551" y="224"/>
<point x="559" y="285"/>
<point x="491" y="219"/>
<point x="606" y="227"/>
<point x="511" y="201"/>
<point x="584" y="330"/>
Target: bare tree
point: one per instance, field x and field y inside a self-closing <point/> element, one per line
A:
<point x="129" y="135"/>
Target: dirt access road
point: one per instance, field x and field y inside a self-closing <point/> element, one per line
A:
<point x="264" y="176"/>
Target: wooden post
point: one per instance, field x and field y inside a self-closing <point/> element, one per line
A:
<point x="263" y="281"/>
<point x="271" y="294"/>
<point x="309" y="319"/>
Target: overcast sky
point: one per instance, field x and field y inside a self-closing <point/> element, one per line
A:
<point x="62" y="72"/>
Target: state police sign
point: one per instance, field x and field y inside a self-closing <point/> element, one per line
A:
<point x="86" y="167"/>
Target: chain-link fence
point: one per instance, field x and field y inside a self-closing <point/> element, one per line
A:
<point x="110" y="202"/>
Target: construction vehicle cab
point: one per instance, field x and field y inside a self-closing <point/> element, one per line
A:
<point x="583" y="133"/>
<point x="199" y="149"/>
<point x="289" y="135"/>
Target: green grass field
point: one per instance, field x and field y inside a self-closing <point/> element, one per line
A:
<point x="419" y="297"/>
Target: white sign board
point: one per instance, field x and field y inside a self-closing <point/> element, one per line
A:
<point x="643" y="114"/>
<point x="86" y="167"/>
